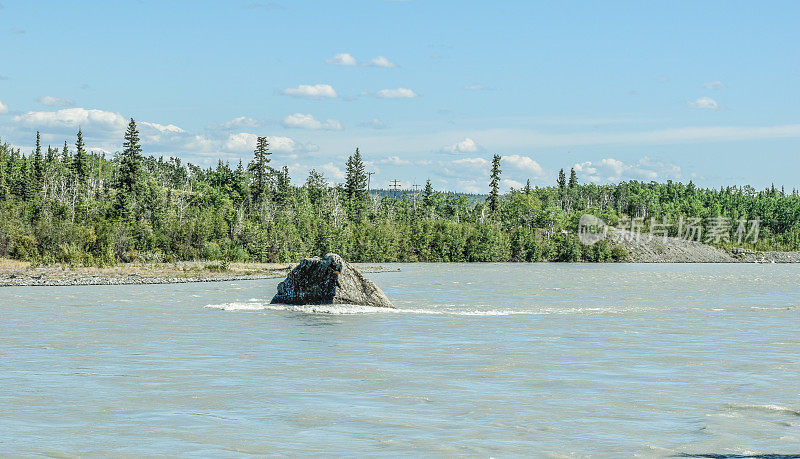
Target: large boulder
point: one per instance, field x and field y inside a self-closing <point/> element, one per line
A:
<point x="329" y="280"/>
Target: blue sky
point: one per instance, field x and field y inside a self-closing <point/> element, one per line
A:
<point x="698" y="90"/>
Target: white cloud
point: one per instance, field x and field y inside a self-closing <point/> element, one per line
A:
<point x="342" y="59"/>
<point x="512" y="184"/>
<point x="399" y="93"/>
<point x="705" y="103"/>
<point x="56" y="101"/>
<point x="382" y="61"/>
<point x="474" y="87"/>
<point x="332" y="171"/>
<point x="471" y="162"/>
<point x="3" y="107"/>
<point x="465" y="146"/>
<point x="169" y="128"/>
<point x="307" y="121"/>
<point x="614" y="170"/>
<point x="524" y="163"/>
<point x="715" y="85"/>
<point x="471" y="186"/>
<point x="240" y="122"/>
<point x="245" y="142"/>
<point x="395" y="160"/>
<point x="73" y="118"/>
<point x="376" y="123"/>
<point x="317" y="91"/>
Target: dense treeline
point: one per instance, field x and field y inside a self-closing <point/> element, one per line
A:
<point x="69" y="205"/>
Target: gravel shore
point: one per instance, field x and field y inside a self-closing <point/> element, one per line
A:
<point x="17" y="274"/>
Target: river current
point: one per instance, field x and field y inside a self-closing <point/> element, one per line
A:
<point x="478" y="359"/>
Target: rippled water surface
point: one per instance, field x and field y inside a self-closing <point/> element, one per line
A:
<point x="483" y="360"/>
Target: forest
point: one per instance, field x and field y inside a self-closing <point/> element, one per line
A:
<point x="68" y="205"/>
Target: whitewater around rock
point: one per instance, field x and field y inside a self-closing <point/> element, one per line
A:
<point x="329" y="280"/>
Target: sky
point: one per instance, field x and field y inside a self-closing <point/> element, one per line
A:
<point x="707" y="91"/>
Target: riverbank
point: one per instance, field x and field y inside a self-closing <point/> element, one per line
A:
<point x="19" y="273"/>
<point x="646" y="248"/>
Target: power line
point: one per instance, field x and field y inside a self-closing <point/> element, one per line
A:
<point x="396" y="185"/>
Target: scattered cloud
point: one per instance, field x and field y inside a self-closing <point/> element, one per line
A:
<point x="333" y="171"/>
<point x="715" y="85"/>
<point x="317" y="91"/>
<point x="614" y="170"/>
<point x="399" y="93"/>
<point x="73" y="118"/>
<point x="471" y="162"/>
<point x="471" y="186"/>
<point x="348" y="60"/>
<point x="376" y="123"/>
<point x="395" y="161"/>
<point x="704" y="103"/>
<point x="307" y="121"/>
<point x="465" y="146"/>
<point x="524" y="164"/>
<point x="382" y="61"/>
<point x="16" y="31"/>
<point x="509" y="183"/>
<point x="3" y="107"/>
<point x="56" y="101"/>
<point x="344" y="59"/>
<point x="475" y="87"/>
<point x="241" y="122"/>
<point x="3" y="77"/>
<point x="169" y="128"/>
<point x="243" y="141"/>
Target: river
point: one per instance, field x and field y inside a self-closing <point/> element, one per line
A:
<point x="478" y="360"/>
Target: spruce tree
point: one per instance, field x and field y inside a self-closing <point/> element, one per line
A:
<point x="315" y="184"/>
<point x="427" y="194"/>
<point x="129" y="169"/>
<point x="38" y="164"/>
<point x="562" y="180"/>
<point x="494" y="184"/>
<point x="528" y="186"/>
<point x="80" y="165"/>
<point x="355" y="186"/>
<point x="65" y="154"/>
<point x="573" y="178"/>
<point x="260" y="169"/>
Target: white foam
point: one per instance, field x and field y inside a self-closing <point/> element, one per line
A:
<point x="452" y="310"/>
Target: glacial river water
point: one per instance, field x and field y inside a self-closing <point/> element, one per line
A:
<point x="479" y="360"/>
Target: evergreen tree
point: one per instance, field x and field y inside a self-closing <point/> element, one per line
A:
<point x="80" y="164"/>
<point x="427" y="194"/>
<point x="494" y="185"/>
<point x="260" y="169"/>
<point x="51" y="154"/>
<point x="527" y="189"/>
<point x="355" y="186"/>
<point x="38" y="164"/>
<point x="315" y="184"/>
<point x="130" y="165"/>
<point x="283" y="188"/>
<point x="65" y="154"/>
<point x="562" y="180"/>
<point x="573" y="178"/>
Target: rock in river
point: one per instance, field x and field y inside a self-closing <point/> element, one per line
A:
<point x="329" y="280"/>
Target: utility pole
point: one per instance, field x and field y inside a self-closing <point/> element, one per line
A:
<point x="369" y="177"/>
<point x="395" y="184"/>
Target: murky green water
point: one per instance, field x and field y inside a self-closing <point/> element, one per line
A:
<point x="484" y="360"/>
